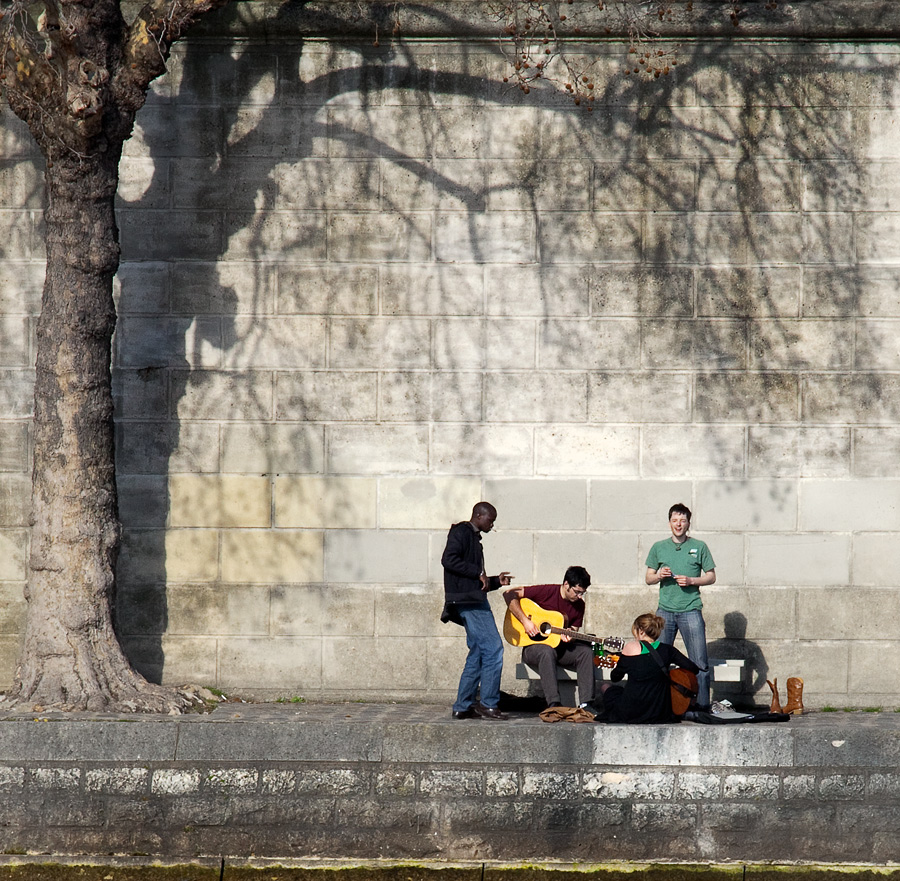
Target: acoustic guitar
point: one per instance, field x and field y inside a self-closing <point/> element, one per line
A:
<point x="550" y="623"/>
<point x="683" y="688"/>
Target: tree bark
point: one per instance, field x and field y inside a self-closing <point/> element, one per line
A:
<point x="71" y="657"/>
<point x="77" y="74"/>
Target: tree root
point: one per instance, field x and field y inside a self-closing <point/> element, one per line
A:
<point x="99" y="688"/>
<point x="150" y="698"/>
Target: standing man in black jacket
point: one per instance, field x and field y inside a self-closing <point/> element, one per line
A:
<point x="465" y="603"/>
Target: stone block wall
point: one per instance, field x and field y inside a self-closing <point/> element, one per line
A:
<point x="363" y="783"/>
<point x="365" y="286"/>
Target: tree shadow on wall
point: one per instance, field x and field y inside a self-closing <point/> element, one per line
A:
<point x="644" y="261"/>
<point x="216" y="246"/>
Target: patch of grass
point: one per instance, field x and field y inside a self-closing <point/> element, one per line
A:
<point x="829" y="709"/>
<point x="296" y="699"/>
<point x="849" y="709"/>
<point x="872" y="709"/>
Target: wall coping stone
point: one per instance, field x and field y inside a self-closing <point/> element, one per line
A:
<point x="425" y="733"/>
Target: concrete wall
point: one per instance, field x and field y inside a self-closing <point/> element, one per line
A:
<point x="365" y="286"/>
<point x="365" y="783"/>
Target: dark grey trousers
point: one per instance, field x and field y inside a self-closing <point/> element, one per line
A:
<point x="576" y="656"/>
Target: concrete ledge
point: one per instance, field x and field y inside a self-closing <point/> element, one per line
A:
<point x="357" y="781"/>
<point x="388" y="733"/>
<point x="84" y="740"/>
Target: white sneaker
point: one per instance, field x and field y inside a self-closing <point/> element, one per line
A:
<point x="721" y="707"/>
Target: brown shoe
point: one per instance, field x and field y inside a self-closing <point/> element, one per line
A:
<point x="489" y="713"/>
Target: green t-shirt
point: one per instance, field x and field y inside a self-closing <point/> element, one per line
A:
<point x="691" y="557"/>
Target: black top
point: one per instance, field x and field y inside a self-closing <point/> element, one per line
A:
<point x="646" y="695"/>
<point x="463" y="562"/>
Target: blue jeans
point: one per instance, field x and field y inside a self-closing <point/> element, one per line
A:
<point x="693" y="631"/>
<point x="484" y="662"/>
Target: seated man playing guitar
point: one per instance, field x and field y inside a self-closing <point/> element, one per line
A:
<point x="565" y="651"/>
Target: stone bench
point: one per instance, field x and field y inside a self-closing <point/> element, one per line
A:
<point x="567" y="679"/>
<point x="725" y="673"/>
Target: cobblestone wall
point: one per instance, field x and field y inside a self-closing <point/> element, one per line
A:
<point x="363" y="287"/>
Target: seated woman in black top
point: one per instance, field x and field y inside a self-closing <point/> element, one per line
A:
<point x="646" y="695"/>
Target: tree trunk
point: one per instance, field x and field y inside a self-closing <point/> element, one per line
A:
<point x="77" y="73"/>
<point x="71" y="658"/>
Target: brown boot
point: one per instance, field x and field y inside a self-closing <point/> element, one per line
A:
<point x="775" y="706"/>
<point x="794" y="696"/>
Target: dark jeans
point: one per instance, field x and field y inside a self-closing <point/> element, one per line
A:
<point x="484" y="663"/>
<point x="576" y="656"/>
<point x="693" y="631"/>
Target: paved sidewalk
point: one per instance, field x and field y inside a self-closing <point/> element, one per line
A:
<point x="413" y="714"/>
<point x="432" y="713"/>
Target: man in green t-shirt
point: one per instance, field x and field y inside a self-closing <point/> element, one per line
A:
<point x="681" y="566"/>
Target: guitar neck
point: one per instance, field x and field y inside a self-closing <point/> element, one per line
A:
<point x="577" y="634"/>
<point x="572" y="634"/>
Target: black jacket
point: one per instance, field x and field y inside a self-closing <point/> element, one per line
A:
<point x="645" y="697"/>
<point x="463" y="562"/>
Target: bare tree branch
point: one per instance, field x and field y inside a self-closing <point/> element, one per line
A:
<point x="158" y="25"/>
